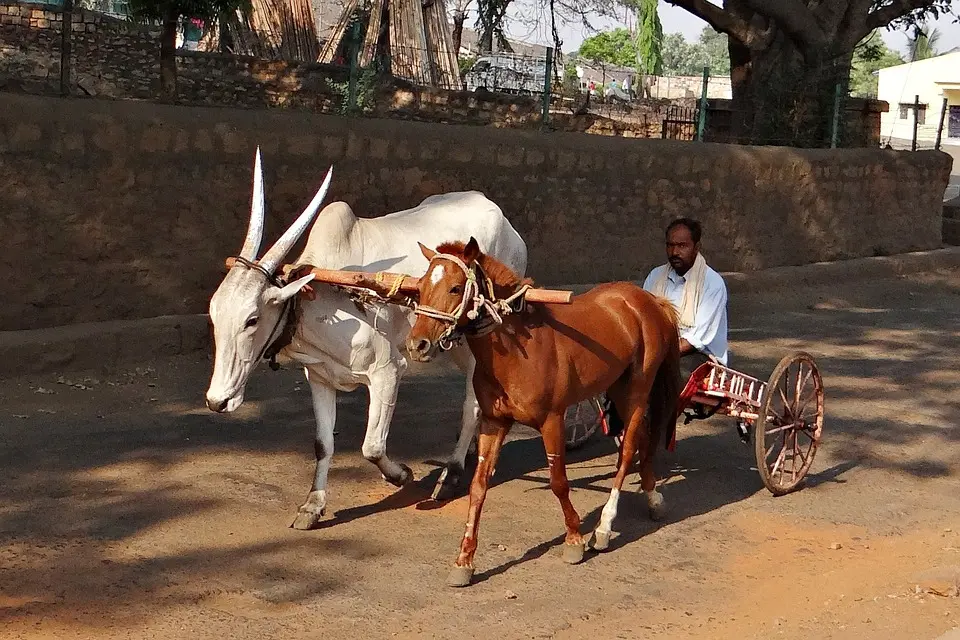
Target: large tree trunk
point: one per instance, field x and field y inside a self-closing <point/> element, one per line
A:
<point x="781" y="97"/>
<point x="168" y="55"/>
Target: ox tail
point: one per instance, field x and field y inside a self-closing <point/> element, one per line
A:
<point x="665" y="393"/>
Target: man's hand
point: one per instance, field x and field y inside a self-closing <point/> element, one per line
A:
<point x="685" y="347"/>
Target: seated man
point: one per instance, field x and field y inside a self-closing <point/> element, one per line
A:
<point x="699" y="295"/>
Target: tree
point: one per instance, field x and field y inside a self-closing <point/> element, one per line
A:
<point x="490" y="15"/>
<point x="680" y="58"/>
<point x="714" y="45"/>
<point x="169" y="13"/>
<point x="923" y="45"/>
<point x="788" y="56"/>
<point x="649" y="45"/>
<point x="613" y="47"/>
<point x="459" y="17"/>
<point x="871" y="55"/>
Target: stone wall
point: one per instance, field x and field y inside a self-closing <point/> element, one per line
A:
<point x="116" y="59"/>
<point x="125" y="209"/>
<point x="109" y="55"/>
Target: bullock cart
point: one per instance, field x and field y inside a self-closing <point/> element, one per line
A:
<point x="790" y="403"/>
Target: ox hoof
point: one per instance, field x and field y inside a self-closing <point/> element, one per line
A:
<point x="307" y="520"/>
<point x="447" y="484"/>
<point x="460" y="577"/>
<point x="572" y="553"/>
<point x="601" y="540"/>
<point x="405" y="477"/>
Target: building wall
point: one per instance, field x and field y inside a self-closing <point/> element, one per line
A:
<point x="899" y="85"/>
<point x="123" y="209"/>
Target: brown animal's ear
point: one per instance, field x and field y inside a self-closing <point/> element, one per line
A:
<point x="472" y="251"/>
<point x="427" y="253"/>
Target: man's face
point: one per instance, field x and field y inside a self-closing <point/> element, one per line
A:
<point x="681" y="250"/>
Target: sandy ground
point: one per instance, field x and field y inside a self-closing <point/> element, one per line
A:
<point x="127" y="510"/>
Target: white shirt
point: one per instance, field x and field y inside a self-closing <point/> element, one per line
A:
<point x="709" y="333"/>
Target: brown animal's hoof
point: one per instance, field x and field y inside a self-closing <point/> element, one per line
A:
<point x="572" y="553"/>
<point x="601" y="540"/>
<point x="307" y="520"/>
<point x="460" y="577"/>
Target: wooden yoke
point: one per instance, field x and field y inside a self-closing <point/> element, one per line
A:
<point x="384" y="282"/>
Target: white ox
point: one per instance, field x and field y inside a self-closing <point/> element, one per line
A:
<point x="339" y="345"/>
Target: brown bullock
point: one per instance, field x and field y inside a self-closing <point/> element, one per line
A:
<point x="535" y="360"/>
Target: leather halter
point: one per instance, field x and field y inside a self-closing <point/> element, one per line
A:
<point x="478" y="297"/>
<point x="290" y="311"/>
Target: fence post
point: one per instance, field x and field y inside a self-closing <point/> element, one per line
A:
<point x="835" y="127"/>
<point x="943" y="113"/>
<point x="916" y="121"/>
<point x="66" y="39"/>
<point x="354" y="55"/>
<point x="548" y="74"/>
<point x="702" y="120"/>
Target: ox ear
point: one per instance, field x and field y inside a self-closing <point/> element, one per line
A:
<point x="427" y="253"/>
<point x="472" y="251"/>
<point x="276" y="296"/>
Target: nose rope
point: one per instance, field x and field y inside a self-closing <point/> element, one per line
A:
<point x="472" y="295"/>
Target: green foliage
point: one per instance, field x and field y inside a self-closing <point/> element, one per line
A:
<point x="871" y="55"/>
<point x="649" y="39"/>
<point x="571" y="82"/>
<point x="466" y="64"/>
<point x="366" y="92"/>
<point x="923" y="44"/>
<point x="613" y="47"/>
<point x="682" y="58"/>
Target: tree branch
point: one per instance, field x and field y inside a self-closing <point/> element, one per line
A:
<point x="718" y="18"/>
<point x="795" y="19"/>
<point x="897" y="9"/>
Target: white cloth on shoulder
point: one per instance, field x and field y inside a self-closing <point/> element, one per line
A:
<point x="692" y="291"/>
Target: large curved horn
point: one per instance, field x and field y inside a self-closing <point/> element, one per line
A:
<point x="251" y="245"/>
<point x="271" y="260"/>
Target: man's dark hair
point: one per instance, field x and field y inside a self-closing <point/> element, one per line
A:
<point x="695" y="229"/>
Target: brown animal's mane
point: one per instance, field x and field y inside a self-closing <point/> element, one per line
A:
<point x="505" y="281"/>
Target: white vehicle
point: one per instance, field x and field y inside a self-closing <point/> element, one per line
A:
<point x="507" y="73"/>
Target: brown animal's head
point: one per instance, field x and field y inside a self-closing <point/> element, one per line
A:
<point x="445" y="292"/>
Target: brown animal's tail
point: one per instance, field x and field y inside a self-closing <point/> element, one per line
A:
<point x="666" y="385"/>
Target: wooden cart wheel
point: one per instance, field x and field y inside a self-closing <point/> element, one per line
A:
<point x="581" y="421"/>
<point x="788" y="429"/>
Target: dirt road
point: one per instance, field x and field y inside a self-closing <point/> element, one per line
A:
<point x="127" y="510"/>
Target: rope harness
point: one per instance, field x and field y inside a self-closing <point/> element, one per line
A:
<point x="478" y="297"/>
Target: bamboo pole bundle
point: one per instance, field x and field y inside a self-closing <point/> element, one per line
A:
<point x="330" y="48"/>
<point x="277" y="29"/>
<point x="372" y="38"/>
<point x="447" y="68"/>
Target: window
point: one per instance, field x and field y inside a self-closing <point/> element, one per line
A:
<point x="905" y="112"/>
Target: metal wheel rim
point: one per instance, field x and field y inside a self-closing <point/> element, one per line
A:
<point x="581" y="421"/>
<point x="788" y="432"/>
